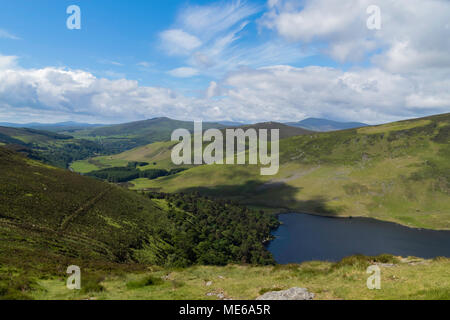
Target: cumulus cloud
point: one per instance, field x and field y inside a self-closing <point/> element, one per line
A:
<point x="280" y="93"/>
<point x="7" y="62"/>
<point x="79" y="94"/>
<point x="371" y="95"/>
<point x="413" y="34"/>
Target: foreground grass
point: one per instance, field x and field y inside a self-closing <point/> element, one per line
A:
<point x="405" y="279"/>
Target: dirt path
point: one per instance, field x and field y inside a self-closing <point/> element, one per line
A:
<point x="82" y="209"/>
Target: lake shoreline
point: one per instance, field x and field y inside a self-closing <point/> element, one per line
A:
<point x="305" y="237"/>
<point x="279" y="211"/>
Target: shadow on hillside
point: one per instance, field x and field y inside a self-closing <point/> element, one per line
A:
<point x="281" y="196"/>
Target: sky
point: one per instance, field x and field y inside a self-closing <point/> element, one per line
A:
<point x="248" y="61"/>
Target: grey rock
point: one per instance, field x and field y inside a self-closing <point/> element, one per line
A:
<point x="291" y="294"/>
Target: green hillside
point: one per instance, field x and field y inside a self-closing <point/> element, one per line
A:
<point x="53" y="148"/>
<point x="158" y="154"/>
<point x="396" y="172"/>
<point x="286" y="131"/>
<point x="51" y="218"/>
<point x="122" y="137"/>
<point x="157" y="246"/>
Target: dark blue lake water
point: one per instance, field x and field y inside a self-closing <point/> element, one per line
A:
<point x="304" y="237"/>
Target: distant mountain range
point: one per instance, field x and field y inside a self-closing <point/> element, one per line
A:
<point x="117" y="138"/>
<point x="313" y="124"/>
<point x="233" y="123"/>
<point x="55" y="127"/>
<point x="325" y="125"/>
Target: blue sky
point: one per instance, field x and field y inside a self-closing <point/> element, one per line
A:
<point x="115" y="36"/>
<point x="117" y="39"/>
<point x="253" y="60"/>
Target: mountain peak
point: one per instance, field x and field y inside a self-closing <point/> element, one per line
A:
<point x="324" y="125"/>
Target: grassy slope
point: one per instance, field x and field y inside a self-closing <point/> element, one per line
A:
<point x="85" y="218"/>
<point x="54" y="148"/>
<point x="159" y="152"/>
<point x="285" y="130"/>
<point x="44" y="207"/>
<point x="396" y="172"/>
<point x="408" y="279"/>
<point x="52" y="218"/>
<point x="24" y="135"/>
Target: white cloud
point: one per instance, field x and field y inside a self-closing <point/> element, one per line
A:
<point x="210" y="20"/>
<point x="213" y="90"/>
<point x="370" y="95"/>
<point x="278" y="93"/>
<point x="7" y="62"/>
<point x="75" y="93"/>
<point x="183" y="72"/>
<point x="177" y="41"/>
<point x="221" y="46"/>
<point x="414" y="34"/>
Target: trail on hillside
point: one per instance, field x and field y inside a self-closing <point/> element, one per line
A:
<point x="11" y="223"/>
<point x="83" y="209"/>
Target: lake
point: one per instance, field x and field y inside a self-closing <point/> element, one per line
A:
<point x="304" y="237"/>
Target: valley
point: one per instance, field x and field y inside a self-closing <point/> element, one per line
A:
<point x="397" y="172"/>
<point x="154" y="230"/>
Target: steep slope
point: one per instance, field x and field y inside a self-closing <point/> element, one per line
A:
<point x="27" y="135"/>
<point x="69" y="214"/>
<point x="53" y="148"/>
<point x="51" y="218"/>
<point x="397" y="172"/>
<point x="324" y="125"/>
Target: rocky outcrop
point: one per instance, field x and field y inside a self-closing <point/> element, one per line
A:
<point x="291" y="294"/>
